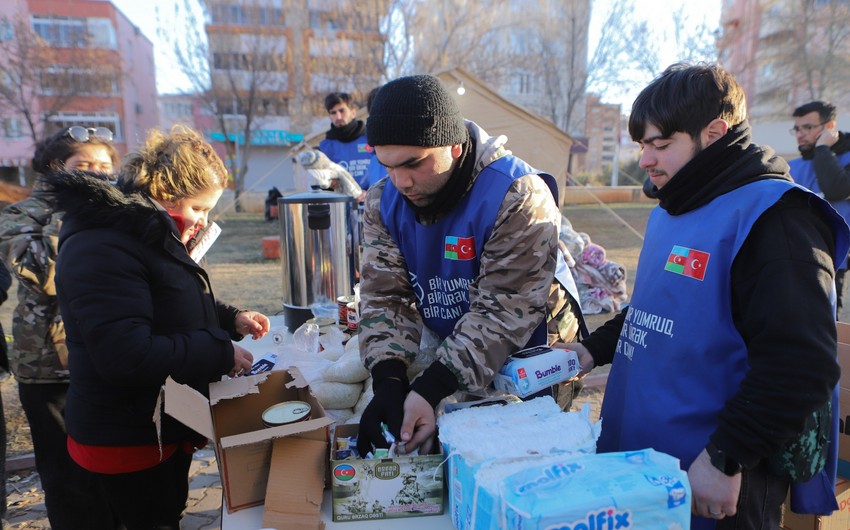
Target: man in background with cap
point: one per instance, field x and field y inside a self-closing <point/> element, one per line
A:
<point x="461" y="239"/>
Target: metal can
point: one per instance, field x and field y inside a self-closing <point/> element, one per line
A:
<point x="353" y="316"/>
<point x="323" y="323"/>
<point x="286" y="412"/>
<point x="342" y="303"/>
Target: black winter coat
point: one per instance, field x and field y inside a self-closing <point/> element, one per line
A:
<point x="136" y="309"/>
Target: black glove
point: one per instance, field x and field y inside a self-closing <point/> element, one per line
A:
<point x="389" y="382"/>
<point x="435" y="383"/>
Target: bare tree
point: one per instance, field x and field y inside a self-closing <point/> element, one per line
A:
<point x="788" y="53"/>
<point x="38" y="79"/>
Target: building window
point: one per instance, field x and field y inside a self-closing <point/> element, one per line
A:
<point x="110" y="120"/>
<point x="13" y="128"/>
<point x="62" y="32"/>
<point x="59" y="80"/>
<point x="101" y="33"/>
<point x="7" y="31"/>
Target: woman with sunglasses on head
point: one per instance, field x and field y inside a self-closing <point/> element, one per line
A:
<point x="38" y="357"/>
<point x="138" y="309"/>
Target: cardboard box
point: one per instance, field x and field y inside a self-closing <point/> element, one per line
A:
<point x="295" y="504"/>
<point x="385" y="488"/>
<point x="839" y="520"/>
<point x="232" y="419"/>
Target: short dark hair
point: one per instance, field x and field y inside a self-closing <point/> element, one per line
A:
<point x="825" y="110"/>
<point x="335" y="98"/>
<point x="686" y="98"/>
<point x="52" y="152"/>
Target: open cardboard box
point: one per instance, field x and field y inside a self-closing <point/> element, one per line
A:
<point x="232" y="419"/>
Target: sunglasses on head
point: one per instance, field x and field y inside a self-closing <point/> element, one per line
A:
<point x="83" y="134"/>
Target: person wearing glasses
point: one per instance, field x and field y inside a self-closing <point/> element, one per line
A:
<point x="824" y="164"/>
<point x="39" y="357"/>
<point x="138" y="310"/>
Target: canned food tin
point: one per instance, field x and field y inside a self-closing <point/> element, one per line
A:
<point x="342" y="302"/>
<point x="285" y="413"/>
<point x="323" y="323"/>
<point x="353" y="317"/>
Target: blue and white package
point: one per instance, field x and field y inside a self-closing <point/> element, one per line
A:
<point x="474" y="437"/>
<point x="638" y="489"/>
<point x="534" y="369"/>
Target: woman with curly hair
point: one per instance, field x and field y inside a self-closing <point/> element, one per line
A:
<point x="138" y="309"/>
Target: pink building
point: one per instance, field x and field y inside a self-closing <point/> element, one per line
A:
<point x="124" y="100"/>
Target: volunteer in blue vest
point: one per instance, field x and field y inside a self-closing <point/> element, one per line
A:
<point x="726" y="357"/>
<point x="824" y="166"/>
<point x="461" y="239"/>
<point x="345" y="142"/>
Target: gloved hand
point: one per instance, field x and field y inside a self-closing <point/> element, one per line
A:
<point x="390" y="385"/>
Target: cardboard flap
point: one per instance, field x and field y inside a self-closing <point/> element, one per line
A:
<point x="298" y="380"/>
<point x="843" y="332"/>
<point x="304" y="496"/>
<point x="188" y="406"/>
<point x="236" y="387"/>
<point x="274" y="432"/>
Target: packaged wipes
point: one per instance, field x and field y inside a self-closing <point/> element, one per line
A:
<point x="639" y="489"/>
<point x="534" y="369"/>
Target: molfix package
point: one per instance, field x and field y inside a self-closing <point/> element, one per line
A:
<point x="473" y="437"/>
<point x="640" y="489"/>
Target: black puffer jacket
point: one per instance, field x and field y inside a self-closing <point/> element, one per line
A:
<point x="136" y="309"/>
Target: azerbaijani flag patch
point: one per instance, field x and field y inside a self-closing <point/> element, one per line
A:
<point x="460" y="248"/>
<point x="687" y="262"/>
<point x="364" y="148"/>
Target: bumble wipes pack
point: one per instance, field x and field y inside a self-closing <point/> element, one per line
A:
<point x="534" y="369"/>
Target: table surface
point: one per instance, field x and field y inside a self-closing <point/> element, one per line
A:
<point x="252" y="518"/>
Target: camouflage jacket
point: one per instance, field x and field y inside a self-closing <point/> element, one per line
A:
<point x="29" y="232"/>
<point x="516" y="278"/>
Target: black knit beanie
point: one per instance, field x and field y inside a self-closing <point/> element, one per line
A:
<point x="415" y="110"/>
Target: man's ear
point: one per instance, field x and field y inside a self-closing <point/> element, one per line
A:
<point x="457" y="149"/>
<point x="831" y="125"/>
<point x="712" y="132"/>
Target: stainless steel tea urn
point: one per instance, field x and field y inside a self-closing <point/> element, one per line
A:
<point x="319" y="251"/>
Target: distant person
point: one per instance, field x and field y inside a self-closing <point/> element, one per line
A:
<point x="137" y="310"/>
<point x="29" y="231"/>
<point x="824" y="166"/>
<point x="726" y="357"/>
<point x="376" y="171"/>
<point x="345" y="142"/>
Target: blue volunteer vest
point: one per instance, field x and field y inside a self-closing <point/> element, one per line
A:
<point x="444" y="258"/>
<point x="355" y="157"/>
<point x="680" y="322"/>
<point x="803" y="173"/>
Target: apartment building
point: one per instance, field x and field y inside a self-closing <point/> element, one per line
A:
<point x="602" y="130"/>
<point x="100" y="72"/>
<point x="786" y="53"/>
<point x="285" y="56"/>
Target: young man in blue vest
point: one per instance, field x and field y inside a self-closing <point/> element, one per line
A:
<point x="345" y="142"/>
<point x="461" y="241"/>
<point x="824" y="166"/>
<point x="728" y="348"/>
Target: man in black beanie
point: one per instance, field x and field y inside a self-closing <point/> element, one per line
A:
<point x="461" y="243"/>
